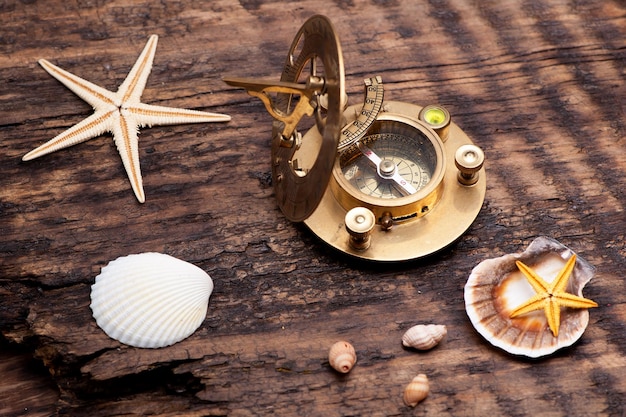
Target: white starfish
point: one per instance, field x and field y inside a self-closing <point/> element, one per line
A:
<point x="120" y="113"/>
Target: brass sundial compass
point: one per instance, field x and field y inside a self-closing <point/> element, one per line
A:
<point x="380" y="180"/>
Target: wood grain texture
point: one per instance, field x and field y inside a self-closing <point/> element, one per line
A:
<point x="25" y="389"/>
<point x="539" y="85"/>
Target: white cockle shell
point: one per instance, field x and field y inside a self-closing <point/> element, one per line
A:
<point x="424" y="336"/>
<point x="150" y="300"/>
<point x="496" y="287"/>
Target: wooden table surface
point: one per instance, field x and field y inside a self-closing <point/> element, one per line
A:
<point x="539" y="85"/>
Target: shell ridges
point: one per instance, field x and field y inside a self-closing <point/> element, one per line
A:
<point x="342" y="356"/>
<point x="416" y="391"/>
<point x="496" y="287"/>
<point x="150" y="300"/>
<point x="424" y="336"/>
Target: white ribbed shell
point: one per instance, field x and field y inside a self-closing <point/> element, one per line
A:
<point x="150" y="300"/>
<point x="424" y="336"/>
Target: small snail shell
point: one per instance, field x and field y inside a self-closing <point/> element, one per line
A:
<point x="342" y="356"/>
<point x="416" y="391"/>
<point x="424" y="336"/>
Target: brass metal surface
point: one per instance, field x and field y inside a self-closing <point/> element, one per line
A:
<point x="413" y="238"/>
<point x="263" y="89"/>
<point x="372" y="104"/>
<point x="315" y="48"/>
<point x="360" y="222"/>
<point x="421" y="141"/>
<point x="420" y="201"/>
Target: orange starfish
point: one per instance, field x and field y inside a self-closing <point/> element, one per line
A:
<point x="551" y="296"/>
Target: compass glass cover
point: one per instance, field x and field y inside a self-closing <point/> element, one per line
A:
<point x="404" y="161"/>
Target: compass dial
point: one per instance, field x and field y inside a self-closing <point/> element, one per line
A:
<point x="409" y="159"/>
<point x="397" y="167"/>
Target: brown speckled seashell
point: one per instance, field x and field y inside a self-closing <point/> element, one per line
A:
<point x="342" y="356"/>
<point x="496" y="287"/>
<point x="416" y="390"/>
<point x="424" y="336"/>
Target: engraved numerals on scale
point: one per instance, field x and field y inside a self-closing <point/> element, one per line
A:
<point x="371" y="107"/>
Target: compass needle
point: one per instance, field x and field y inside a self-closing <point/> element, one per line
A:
<point x="387" y="170"/>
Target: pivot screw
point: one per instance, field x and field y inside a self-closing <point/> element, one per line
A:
<point x="386" y="221"/>
<point x="359" y="223"/>
<point x="469" y="159"/>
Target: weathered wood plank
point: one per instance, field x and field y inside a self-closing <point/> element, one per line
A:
<point x="539" y="85"/>
<point x="26" y="388"/>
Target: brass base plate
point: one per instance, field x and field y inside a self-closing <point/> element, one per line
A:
<point x="416" y="238"/>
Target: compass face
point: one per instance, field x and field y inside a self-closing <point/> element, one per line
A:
<point x="397" y="167"/>
<point x="413" y="158"/>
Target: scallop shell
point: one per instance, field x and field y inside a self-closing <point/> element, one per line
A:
<point x="496" y="287"/>
<point x="416" y="390"/>
<point x="150" y="300"/>
<point x="424" y="336"/>
<point x="342" y="356"/>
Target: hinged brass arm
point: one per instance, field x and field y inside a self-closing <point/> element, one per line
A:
<point x="304" y="106"/>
